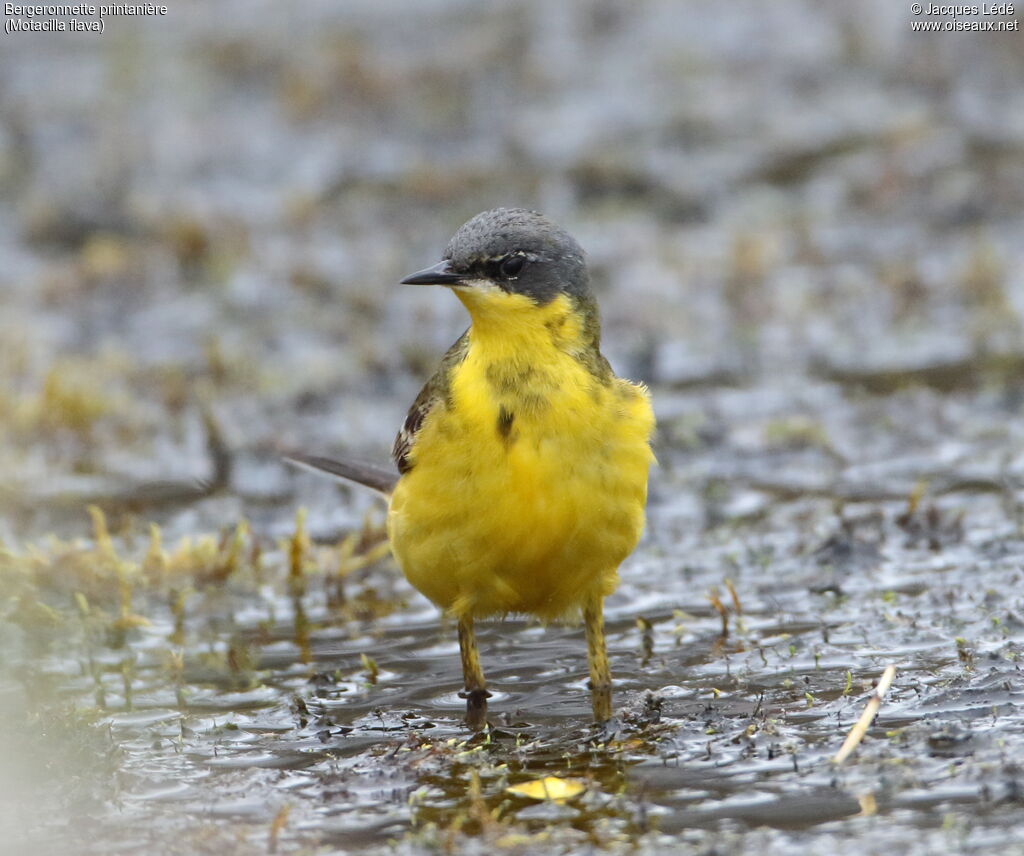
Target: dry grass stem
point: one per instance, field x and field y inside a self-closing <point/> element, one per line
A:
<point x="870" y="711"/>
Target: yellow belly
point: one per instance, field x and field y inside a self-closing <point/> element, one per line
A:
<point x="527" y="499"/>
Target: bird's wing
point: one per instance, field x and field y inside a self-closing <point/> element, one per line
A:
<point x="435" y="391"/>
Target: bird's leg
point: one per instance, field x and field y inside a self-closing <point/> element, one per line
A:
<point x="597" y="657"/>
<point x="476" y="687"/>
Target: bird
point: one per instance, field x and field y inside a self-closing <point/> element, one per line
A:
<point x="522" y="465"/>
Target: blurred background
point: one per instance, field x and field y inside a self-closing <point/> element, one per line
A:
<point x="803" y="222"/>
<point x="222" y="201"/>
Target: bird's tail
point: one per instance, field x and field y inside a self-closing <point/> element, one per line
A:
<point x="369" y="475"/>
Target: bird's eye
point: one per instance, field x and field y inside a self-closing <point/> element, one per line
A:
<point x="511" y="266"/>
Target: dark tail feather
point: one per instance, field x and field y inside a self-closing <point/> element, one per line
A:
<point x="369" y="475"/>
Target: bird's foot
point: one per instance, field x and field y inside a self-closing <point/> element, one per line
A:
<point x="476" y="707"/>
<point x="608" y="731"/>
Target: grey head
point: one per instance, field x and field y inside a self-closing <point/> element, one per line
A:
<point x="519" y="251"/>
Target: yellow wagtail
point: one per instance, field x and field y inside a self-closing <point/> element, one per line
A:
<point x="523" y="461"/>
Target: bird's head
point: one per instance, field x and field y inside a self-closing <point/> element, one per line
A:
<point x="505" y="255"/>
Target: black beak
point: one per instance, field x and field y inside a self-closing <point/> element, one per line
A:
<point x="439" y="274"/>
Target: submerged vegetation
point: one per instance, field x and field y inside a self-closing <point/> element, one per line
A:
<point x="286" y="687"/>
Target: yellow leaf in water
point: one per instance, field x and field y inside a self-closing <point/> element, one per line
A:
<point x="548" y="788"/>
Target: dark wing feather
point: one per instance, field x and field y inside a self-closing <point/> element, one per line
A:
<point x="435" y="391"/>
<point x="370" y="475"/>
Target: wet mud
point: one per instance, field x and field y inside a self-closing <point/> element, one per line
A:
<point x="810" y="251"/>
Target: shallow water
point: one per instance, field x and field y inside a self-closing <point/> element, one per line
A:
<point x="803" y="226"/>
<point x="274" y="706"/>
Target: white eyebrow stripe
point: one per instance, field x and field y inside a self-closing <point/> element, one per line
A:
<point x="530" y="257"/>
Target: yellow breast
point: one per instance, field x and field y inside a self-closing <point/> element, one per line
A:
<point x="527" y="487"/>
